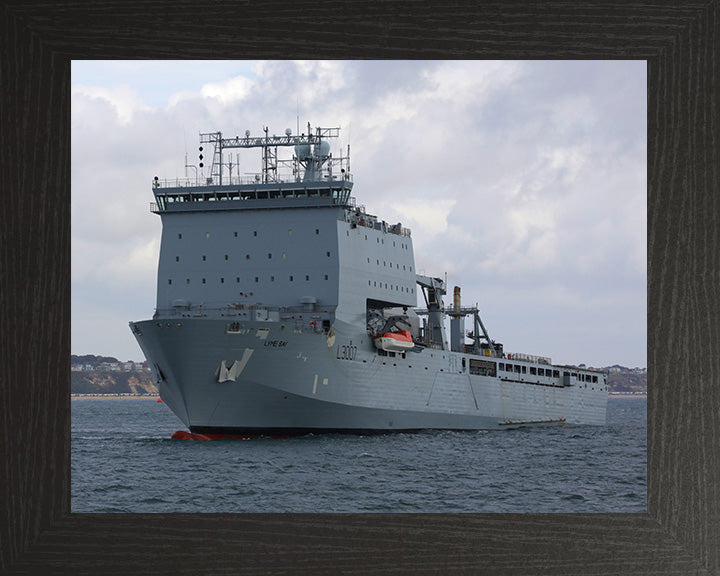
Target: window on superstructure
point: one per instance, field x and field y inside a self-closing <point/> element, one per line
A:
<point x="235" y="234"/>
<point x="291" y="278"/>
<point x="517" y="369"/>
<point x="326" y="277"/>
<point x="501" y="366"/>
<point x="317" y="231"/>
<point x="272" y="278"/>
<point x="203" y="280"/>
<point x="269" y="256"/>
<point x="533" y="371"/>
<point x="328" y="254"/>
<point x="179" y="236"/>
<point x="255" y="233"/>
<point x="556" y="373"/>
<point x="222" y="280"/>
<point x="169" y="281"/>
<point x="307" y="277"/>
<point x="257" y="279"/>
<point x="177" y="258"/>
<point x="595" y="379"/>
<point x="204" y="258"/>
<point x="237" y="279"/>
<point x="247" y="256"/>
<point x="226" y="256"/>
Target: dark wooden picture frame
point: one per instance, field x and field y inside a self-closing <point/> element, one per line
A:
<point x="680" y="534"/>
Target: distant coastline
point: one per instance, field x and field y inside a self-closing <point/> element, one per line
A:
<point x="91" y="376"/>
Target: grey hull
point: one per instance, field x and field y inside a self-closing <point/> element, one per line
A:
<point x="267" y="377"/>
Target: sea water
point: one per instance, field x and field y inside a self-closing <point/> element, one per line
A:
<point x="123" y="460"/>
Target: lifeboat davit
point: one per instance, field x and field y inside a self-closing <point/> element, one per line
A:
<point x="394" y="341"/>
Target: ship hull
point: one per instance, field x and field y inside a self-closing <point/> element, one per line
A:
<point x="271" y="378"/>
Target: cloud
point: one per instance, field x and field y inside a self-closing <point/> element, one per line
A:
<point x="123" y="98"/>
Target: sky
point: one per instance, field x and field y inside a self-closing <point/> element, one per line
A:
<point x="524" y="182"/>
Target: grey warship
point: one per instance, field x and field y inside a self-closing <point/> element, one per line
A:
<point x="285" y="308"/>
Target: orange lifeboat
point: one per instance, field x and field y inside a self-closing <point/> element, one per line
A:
<point x="394" y="341"/>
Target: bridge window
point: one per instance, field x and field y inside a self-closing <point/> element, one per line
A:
<point x="533" y="371"/>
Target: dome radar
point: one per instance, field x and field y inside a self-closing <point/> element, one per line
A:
<point x="322" y="149"/>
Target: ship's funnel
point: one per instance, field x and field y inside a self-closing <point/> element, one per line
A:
<point x="456" y="298"/>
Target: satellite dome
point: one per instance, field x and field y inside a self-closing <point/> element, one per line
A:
<point x="302" y="151"/>
<point x="323" y="148"/>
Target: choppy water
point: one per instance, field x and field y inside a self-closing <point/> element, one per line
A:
<point x="123" y="460"/>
